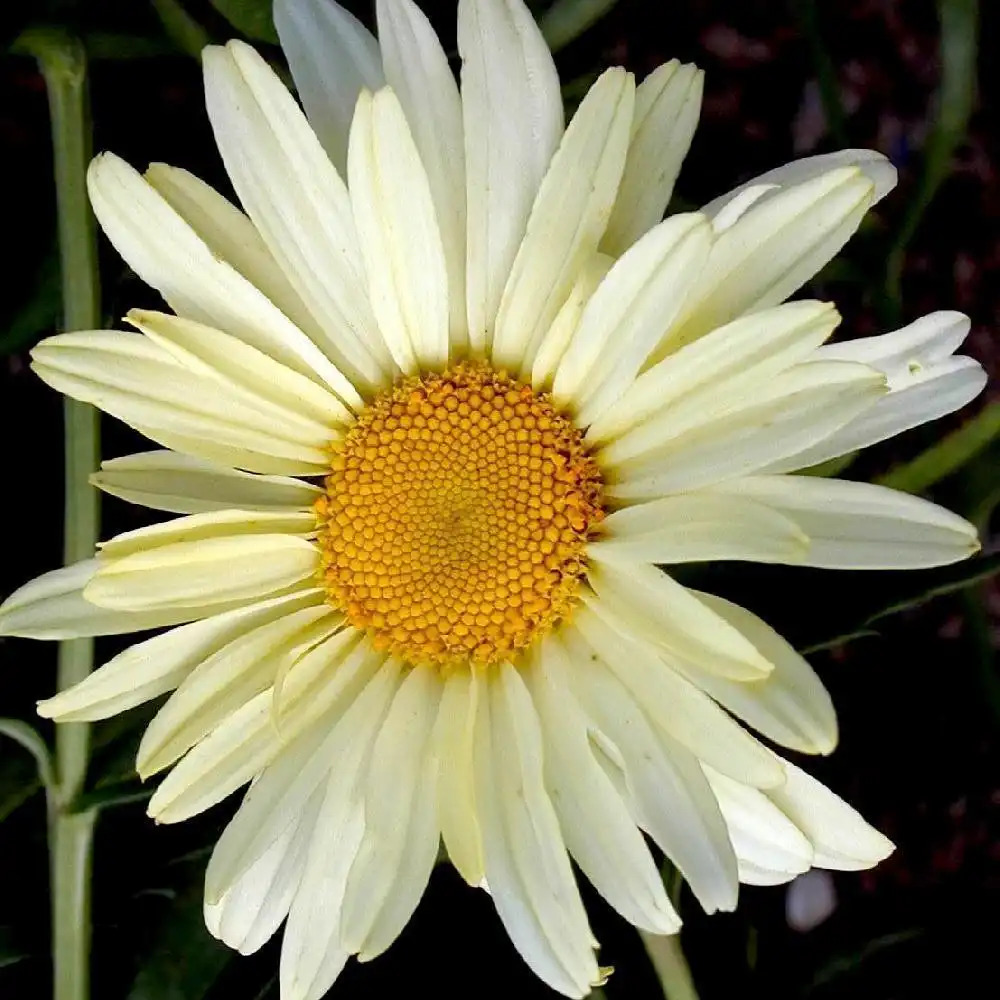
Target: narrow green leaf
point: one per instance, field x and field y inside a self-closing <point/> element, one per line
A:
<point x="252" y="18"/>
<point x="116" y="793"/>
<point x="807" y="15"/>
<point x="948" y="455"/>
<point x="31" y="739"/>
<point x="959" y="20"/>
<point x="565" y="20"/>
<point x="181" y="28"/>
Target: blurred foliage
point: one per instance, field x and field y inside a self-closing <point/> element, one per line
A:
<point x="910" y="657"/>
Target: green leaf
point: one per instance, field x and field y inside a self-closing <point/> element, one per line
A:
<point x="115" y="793"/>
<point x="567" y="19"/>
<point x="956" y="96"/>
<point x="185" y="960"/>
<point x="252" y="18"/>
<point x="181" y="28"/>
<point x="948" y="455"/>
<point x="32" y="741"/>
<point x="807" y="15"/>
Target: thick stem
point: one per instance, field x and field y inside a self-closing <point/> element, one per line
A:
<point x="671" y="966"/>
<point x="64" y="65"/>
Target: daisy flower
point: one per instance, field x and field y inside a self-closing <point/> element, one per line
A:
<point x="438" y="405"/>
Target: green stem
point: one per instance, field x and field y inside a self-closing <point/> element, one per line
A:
<point x="566" y="19"/>
<point x="64" y="65"/>
<point x="671" y="966"/>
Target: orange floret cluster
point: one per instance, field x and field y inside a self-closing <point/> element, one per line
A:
<point x="455" y="520"/>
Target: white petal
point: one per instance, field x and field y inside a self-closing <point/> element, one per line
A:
<point x="667" y="106"/>
<point x="52" y="606"/>
<point x="399" y="235"/>
<point x="401" y="837"/>
<point x="874" y="166"/>
<point x="512" y="114"/>
<point x="288" y="783"/>
<point x="763" y="837"/>
<point x="333" y="57"/>
<point x="559" y="335"/>
<point x="157" y="665"/>
<point x="567" y="219"/>
<point x="858" y="525"/>
<point x="456" y="778"/>
<point x="416" y="67"/>
<point x="320" y="685"/>
<point x="167" y="480"/>
<point x="130" y="377"/>
<point x="790" y="706"/>
<point x="798" y="408"/>
<point x="840" y="837"/>
<point x="599" y="831"/>
<point x="699" y="527"/>
<point x="650" y="604"/>
<point x="225" y="681"/>
<point x="624" y="319"/>
<point x="231" y="236"/>
<point x="215" y="354"/>
<point x="254" y="907"/>
<point x="312" y="954"/>
<point x="781" y="241"/>
<point x="670" y="794"/>
<point x="213" y="570"/>
<point x="213" y="524"/>
<point x="298" y="202"/>
<point x="729" y="361"/>
<point x="677" y="706"/>
<point x="167" y="253"/>
<point x="527" y="868"/>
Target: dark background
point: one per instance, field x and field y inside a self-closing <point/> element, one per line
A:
<point x="918" y="692"/>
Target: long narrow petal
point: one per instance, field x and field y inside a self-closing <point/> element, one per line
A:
<point x="399" y="235"/>
<point x="298" y="202"/>
<point x="527" y="868"/>
<point x="764" y="838"/>
<point x="670" y="794"/>
<point x="925" y="382"/>
<point x="512" y="114"/>
<point x="858" y="525"/>
<point x="596" y="823"/>
<point x="254" y="907"/>
<point x="319" y="686"/>
<point x="225" y="681"/>
<point x="416" y="67"/>
<point x="790" y="706"/>
<point x="747" y="352"/>
<point x="697" y="527"/>
<point x="774" y="248"/>
<point x="456" y="787"/>
<point x="567" y="219"/>
<point x="676" y="705"/>
<point x="400" y="819"/>
<point x="130" y="377"/>
<point x="799" y="408"/>
<point x="288" y="783"/>
<point x="167" y="480"/>
<point x="840" y="837"/>
<point x="312" y="953"/>
<point x="622" y="322"/>
<point x="52" y="606"/>
<point x="167" y="253"/>
<point x="231" y="236"/>
<point x="214" y="570"/>
<point x="333" y="57"/>
<point x="874" y="165"/>
<point x="151" y="668"/>
<point x="651" y="604"/>
<point x="216" y="354"/>
<point x="667" y="107"/>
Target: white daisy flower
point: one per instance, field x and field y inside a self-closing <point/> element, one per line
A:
<point x="436" y="411"/>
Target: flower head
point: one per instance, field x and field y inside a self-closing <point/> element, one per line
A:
<point x="435" y="412"/>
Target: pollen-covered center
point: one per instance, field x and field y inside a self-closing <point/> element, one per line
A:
<point x="456" y="517"/>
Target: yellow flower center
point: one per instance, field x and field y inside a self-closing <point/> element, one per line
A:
<point x="455" y="520"/>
